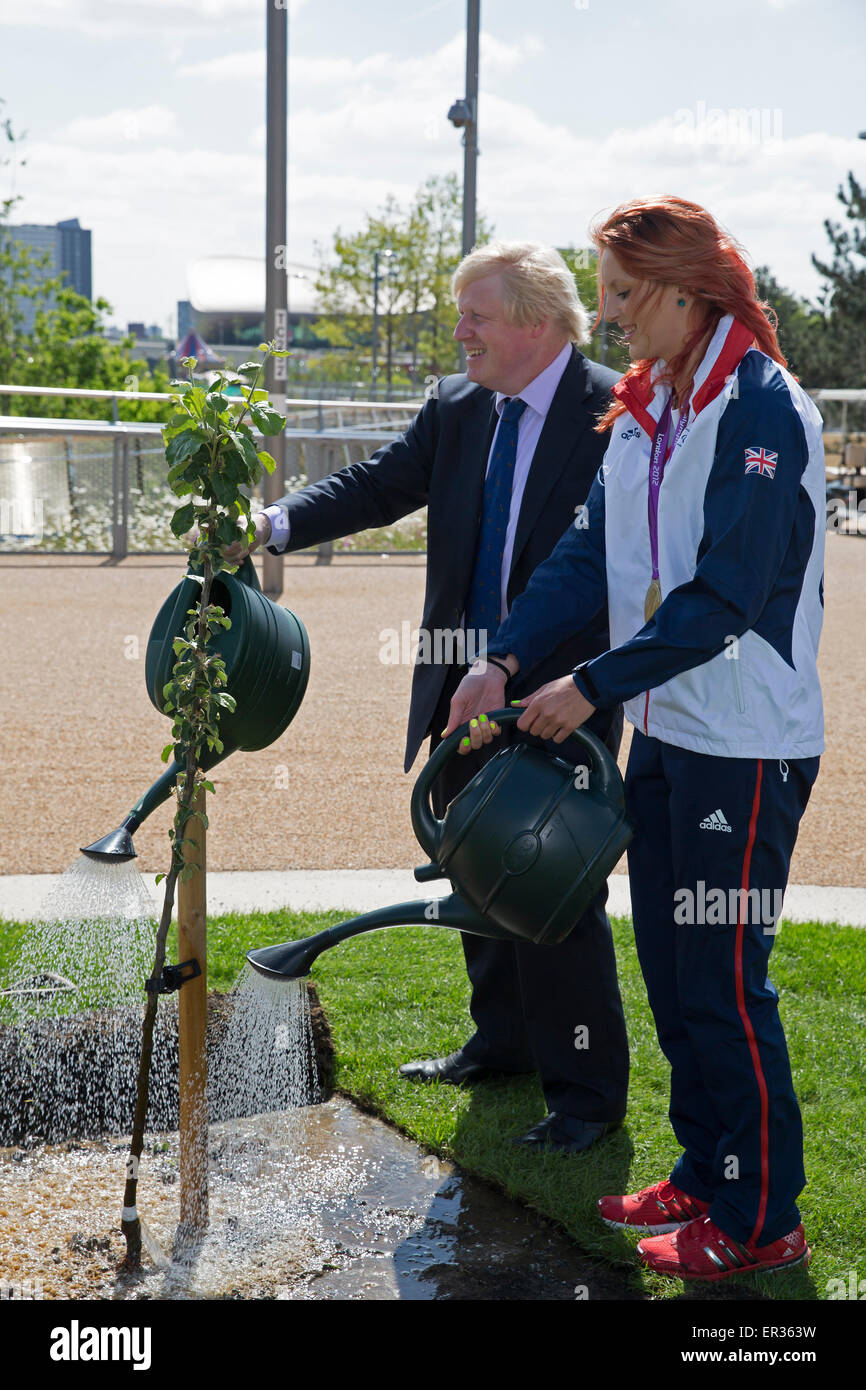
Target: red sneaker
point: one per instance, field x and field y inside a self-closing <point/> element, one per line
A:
<point x="654" y="1210"/>
<point x="701" y="1251"/>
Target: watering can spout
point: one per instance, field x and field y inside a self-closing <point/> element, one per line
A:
<point x="292" y="959"/>
<point x="116" y="847"/>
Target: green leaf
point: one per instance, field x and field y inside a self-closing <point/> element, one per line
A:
<point x="183" y="519"/>
<point x="267" y="420"/>
<point x="184" y="444"/>
<point x="248" y="368"/>
<point x="159" y="878"/>
<point x="266" y="460"/>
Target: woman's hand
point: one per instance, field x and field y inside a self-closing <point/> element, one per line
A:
<point x="555" y="710"/>
<point x="481" y="689"/>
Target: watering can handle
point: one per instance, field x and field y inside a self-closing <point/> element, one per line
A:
<point x="245" y="573"/>
<point x="428" y="828"/>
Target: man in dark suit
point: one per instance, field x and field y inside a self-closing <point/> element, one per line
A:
<point x="512" y="435"/>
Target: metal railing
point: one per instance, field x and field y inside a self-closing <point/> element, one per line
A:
<point x="297" y="405"/>
<point x="71" y="476"/>
<point x="319" y="439"/>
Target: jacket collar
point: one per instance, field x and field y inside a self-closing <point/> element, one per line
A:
<point x="644" y="397"/>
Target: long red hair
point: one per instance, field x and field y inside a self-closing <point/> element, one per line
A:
<point x="668" y="241"/>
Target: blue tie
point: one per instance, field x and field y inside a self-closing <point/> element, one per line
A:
<point x="484" y="603"/>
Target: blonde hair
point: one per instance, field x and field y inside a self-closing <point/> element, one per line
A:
<point x="536" y="284"/>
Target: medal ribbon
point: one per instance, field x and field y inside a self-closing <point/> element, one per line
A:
<point x="658" y="459"/>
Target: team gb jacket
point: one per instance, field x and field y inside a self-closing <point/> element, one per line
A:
<point x="727" y="664"/>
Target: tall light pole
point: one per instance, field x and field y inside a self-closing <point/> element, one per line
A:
<point x="464" y="115"/>
<point x="276" y="257"/>
<point x="374" y="372"/>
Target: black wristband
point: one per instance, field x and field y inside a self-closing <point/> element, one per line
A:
<point x="500" y="664"/>
<point x="587" y="680"/>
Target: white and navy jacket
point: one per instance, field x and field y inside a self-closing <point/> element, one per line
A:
<point x="728" y="663"/>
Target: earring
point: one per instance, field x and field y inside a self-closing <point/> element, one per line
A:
<point x="682" y="303"/>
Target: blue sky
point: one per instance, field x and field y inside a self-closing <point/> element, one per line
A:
<point x="145" y="118"/>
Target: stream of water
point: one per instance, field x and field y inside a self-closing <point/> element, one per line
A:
<point x="71" y="1010"/>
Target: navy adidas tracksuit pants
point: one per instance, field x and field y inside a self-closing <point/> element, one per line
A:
<point x="706" y="826"/>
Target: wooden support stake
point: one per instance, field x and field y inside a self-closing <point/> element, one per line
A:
<point x="192" y="1017"/>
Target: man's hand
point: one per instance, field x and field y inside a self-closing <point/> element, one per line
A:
<point x="240" y="548"/>
<point x="555" y="710"/>
<point x="481" y="689"/>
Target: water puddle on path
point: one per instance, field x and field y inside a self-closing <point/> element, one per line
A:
<point x="319" y="1202"/>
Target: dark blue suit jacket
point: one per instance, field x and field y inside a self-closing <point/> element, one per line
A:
<point x="440" y="462"/>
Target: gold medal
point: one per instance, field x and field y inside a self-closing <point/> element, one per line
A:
<point x="653" y="600"/>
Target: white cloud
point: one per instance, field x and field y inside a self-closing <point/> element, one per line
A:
<point x="107" y="18"/>
<point x="445" y="64"/>
<point x="363" y="129"/>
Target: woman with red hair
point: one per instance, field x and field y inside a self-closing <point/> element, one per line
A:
<point x="704" y="534"/>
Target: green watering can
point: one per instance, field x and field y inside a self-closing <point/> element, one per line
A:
<point x="527" y="844"/>
<point x="267" y="659"/>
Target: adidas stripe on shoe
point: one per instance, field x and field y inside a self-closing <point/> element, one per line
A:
<point x="700" y="1250"/>
<point x="653" y="1211"/>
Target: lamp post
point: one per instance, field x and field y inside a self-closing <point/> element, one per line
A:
<point x="464" y="115"/>
<point x="375" y="344"/>
<point x="276" y="267"/>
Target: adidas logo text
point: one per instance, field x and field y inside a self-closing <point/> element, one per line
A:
<point x="716" y="821"/>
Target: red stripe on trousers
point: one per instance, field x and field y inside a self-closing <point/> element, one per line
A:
<point x="747" y="1023"/>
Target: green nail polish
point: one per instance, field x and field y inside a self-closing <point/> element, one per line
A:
<point x="515" y="702"/>
<point x="482" y="719"/>
<point x="464" y="743"/>
<point x="473" y="723"/>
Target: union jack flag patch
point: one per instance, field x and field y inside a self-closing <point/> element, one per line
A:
<point x="761" y="461"/>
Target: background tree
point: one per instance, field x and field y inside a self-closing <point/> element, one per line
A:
<point x="20" y="267"/>
<point x="65" y="346"/>
<point x="804" y="332"/>
<point x="415" y="305"/>
<point x="843" y="297"/>
<point x="583" y="264"/>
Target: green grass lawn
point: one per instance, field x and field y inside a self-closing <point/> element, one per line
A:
<point x="394" y="995"/>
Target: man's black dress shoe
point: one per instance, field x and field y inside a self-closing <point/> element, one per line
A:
<point x="565" y="1133"/>
<point x="453" y="1069"/>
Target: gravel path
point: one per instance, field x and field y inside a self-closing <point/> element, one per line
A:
<point x="80" y="740"/>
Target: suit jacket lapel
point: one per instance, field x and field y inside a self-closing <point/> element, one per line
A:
<point x="467" y="495"/>
<point x="567" y="421"/>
